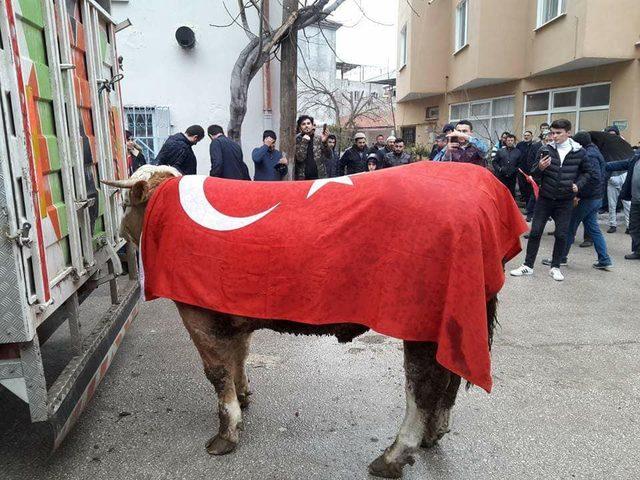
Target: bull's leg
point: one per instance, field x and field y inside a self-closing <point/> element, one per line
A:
<point x="426" y="382"/>
<point x="240" y="379"/>
<point x="437" y="421"/>
<point x="218" y="351"/>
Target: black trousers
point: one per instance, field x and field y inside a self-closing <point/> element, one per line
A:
<point x="634" y="226"/>
<point x="525" y="188"/>
<point x="510" y="183"/>
<point x="560" y="211"/>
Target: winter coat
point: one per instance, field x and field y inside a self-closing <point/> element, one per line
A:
<point x="596" y="186"/>
<point x="331" y="159"/>
<point x="525" y="148"/>
<point x="177" y="152"/>
<point x="557" y="180"/>
<point x="507" y="162"/>
<point x="353" y="161"/>
<point x="469" y="154"/>
<point x="134" y="162"/>
<point x="265" y="161"/>
<point x="301" y="156"/>
<point x="393" y="160"/>
<point x="629" y="165"/>
<point x="226" y="160"/>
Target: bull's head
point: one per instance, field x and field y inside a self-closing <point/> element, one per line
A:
<point x="138" y="190"/>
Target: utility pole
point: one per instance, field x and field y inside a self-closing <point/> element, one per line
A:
<point x="289" y="88"/>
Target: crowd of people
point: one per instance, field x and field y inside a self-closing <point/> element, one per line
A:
<point x="562" y="176"/>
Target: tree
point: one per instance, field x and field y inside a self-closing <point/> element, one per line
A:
<point x="346" y="106"/>
<point x="262" y="45"/>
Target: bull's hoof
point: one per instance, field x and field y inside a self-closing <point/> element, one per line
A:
<point x="432" y="441"/>
<point x="220" y="446"/>
<point x="383" y="469"/>
<point x="244" y="399"/>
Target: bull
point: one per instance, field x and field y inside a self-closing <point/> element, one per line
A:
<point x="223" y="342"/>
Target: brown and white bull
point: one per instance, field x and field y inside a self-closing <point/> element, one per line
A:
<point x="222" y="341"/>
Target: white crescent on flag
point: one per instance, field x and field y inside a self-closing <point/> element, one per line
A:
<point x="199" y="209"/>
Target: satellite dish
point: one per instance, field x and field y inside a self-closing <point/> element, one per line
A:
<point x="185" y="37"/>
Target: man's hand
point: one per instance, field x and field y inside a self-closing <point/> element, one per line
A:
<point x="284" y="161"/>
<point x="325" y="134"/>
<point x="544" y="162"/>
<point x="306" y="137"/>
<point x="269" y="142"/>
<point x="575" y="201"/>
<point x="575" y="188"/>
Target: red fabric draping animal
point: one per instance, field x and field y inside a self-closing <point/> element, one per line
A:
<point x="412" y="252"/>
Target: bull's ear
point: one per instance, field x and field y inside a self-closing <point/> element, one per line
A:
<point x="139" y="193"/>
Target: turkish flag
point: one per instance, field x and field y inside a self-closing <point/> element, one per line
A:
<point x="413" y="252"/>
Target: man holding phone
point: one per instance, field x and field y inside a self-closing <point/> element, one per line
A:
<point x="563" y="170"/>
<point x="460" y="147"/>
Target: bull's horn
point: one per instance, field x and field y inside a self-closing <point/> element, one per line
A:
<point x="128" y="183"/>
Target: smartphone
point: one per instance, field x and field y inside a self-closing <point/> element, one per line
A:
<point x="543" y="153"/>
<point x="324" y="128"/>
<point x="454" y="139"/>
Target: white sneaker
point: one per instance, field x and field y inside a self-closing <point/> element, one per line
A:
<point x="520" y="271"/>
<point x="556" y="274"/>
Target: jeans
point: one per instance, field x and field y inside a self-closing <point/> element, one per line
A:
<point x="587" y="212"/>
<point x="560" y="211"/>
<point x="613" y="192"/>
<point x="634" y="226"/>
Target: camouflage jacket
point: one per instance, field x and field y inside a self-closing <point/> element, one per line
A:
<point x="301" y="156"/>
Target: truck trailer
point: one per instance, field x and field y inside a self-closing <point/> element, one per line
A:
<point x="61" y="133"/>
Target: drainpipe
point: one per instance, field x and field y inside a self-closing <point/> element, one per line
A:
<point x="267" y="109"/>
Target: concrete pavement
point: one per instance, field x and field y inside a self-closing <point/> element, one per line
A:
<point x="565" y="402"/>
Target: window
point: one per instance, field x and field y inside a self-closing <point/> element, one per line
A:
<point x="462" y="16"/>
<point x="409" y="135"/>
<point x="490" y="117"/>
<point x="549" y="9"/>
<point x="586" y="107"/>
<point x="433" y="113"/>
<point x="150" y="127"/>
<point x="403" y="46"/>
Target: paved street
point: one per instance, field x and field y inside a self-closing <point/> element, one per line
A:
<point x="565" y="402"/>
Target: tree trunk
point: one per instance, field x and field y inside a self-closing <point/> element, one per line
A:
<point x="243" y="72"/>
<point x="288" y="88"/>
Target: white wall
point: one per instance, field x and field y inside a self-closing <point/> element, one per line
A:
<point x="194" y="83"/>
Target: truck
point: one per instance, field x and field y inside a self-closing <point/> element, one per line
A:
<point x="61" y="133"/>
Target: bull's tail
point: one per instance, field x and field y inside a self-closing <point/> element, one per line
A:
<point x="492" y="322"/>
<point x="492" y="317"/>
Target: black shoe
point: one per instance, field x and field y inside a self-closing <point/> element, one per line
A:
<point x="627" y="231"/>
<point x="547" y="262"/>
<point x="612" y="230"/>
<point x="586" y="243"/>
<point x="632" y="256"/>
<point x="602" y="266"/>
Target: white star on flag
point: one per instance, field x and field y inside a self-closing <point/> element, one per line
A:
<point x="318" y="184"/>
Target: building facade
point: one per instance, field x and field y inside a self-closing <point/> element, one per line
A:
<point x="510" y="65"/>
<point x="168" y="87"/>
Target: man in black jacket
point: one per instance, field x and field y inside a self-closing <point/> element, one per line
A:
<point x="588" y="202"/>
<point x="177" y="151"/>
<point x="631" y="191"/>
<point x="354" y="159"/>
<point x="564" y="171"/>
<point x="506" y="164"/>
<point x="525" y="146"/>
<point x="226" y="156"/>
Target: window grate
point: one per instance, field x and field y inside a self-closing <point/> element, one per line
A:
<point x="150" y="127"/>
